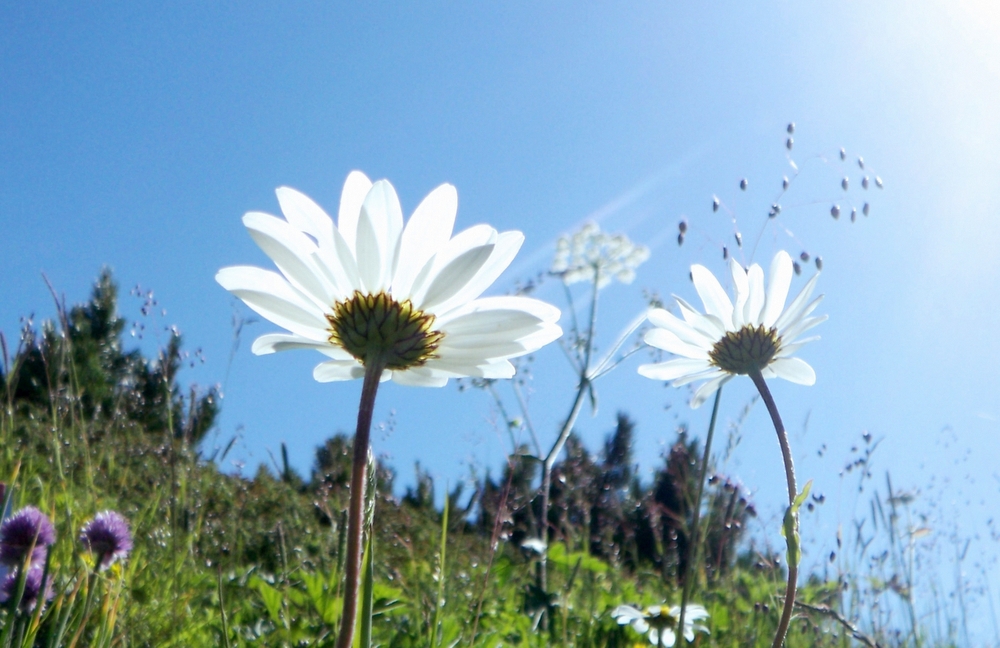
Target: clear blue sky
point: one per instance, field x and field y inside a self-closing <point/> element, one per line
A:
<point x="136" y="135"/>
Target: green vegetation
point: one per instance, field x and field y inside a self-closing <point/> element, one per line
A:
<point x="222" y="560"/>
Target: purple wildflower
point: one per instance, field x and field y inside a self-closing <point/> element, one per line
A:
<point x="32" y="587"/>
<point x="108" y="537"/>
<point x="27" y="530"/>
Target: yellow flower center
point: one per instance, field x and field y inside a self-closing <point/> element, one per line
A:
<point x="748" y="349"/>
<point x="365" y="325"/>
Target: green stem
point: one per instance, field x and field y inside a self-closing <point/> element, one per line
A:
<point x="695" y="522"/>
<point x="790" y="539"/>
<point x="355" y="526"/>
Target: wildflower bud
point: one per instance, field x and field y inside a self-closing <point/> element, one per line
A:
<point x="797" y="268"/>
<point x="715" y="204"/>
<point x="819" y="263"/>
<point x="878" y="182"/>
<point x="864" y="210"/>
<point x="790" y="128"/>
<point x="854" y="214"/>
<point x="864" y="182"/>
<point x="805" y="257"/>
<point x="789" y="143"/>
<point x="744" y="183"/>
<point x="682" y="226"/>
<point x="861" y="162"/>
<point x="835" y="211"/>
<point x="739" y="240"/>
<point x="833" y="556"/>
<point x="843" y="153"/>
<point x="775" y="210"/>
<point x="680" y="239"/>
<point x="811" y="507"/>
<point x="725" y="253"/>
<point x="845" y="183"/>
<point x="785" y="183"/>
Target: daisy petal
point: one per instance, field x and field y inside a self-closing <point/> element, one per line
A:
<point x="798" y="305"/>
<point x="709" y="326"/>
<point x="379" y="226"/>
<point x="668" y="341"/>
<point x="742" y="292"/>
<point x="305" y="215"/>
<point x="505" y="249"/>
<point x="794" y="370"/>
<point x="755" y="303"/>
<point x="461" y="317"/>
<point x="672" y="369"/>
<point x="666" y="320"/>
<point x="475" y="236"/>
<point x="777" y="288"/>
<point x="292" y="252"/>
<point x="275" y="342"/>
<point x="803" y="326"/>
<point x="712" y="295"/>
<point x="334" y="370"/>
<point x="708" y="389"/>
<point x="356" y="187"/>
<point x="708" y="374"/>
<point x="272" y="297"/>
<point x="418" y="377"/>
<point x="427" y="231"/>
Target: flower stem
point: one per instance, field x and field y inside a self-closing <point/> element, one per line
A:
<point x="695" y="522"/>
<point x="790" y="538"/>
<point x="374" y="365"/>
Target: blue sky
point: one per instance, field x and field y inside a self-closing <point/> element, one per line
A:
<point x="136" y="135"/>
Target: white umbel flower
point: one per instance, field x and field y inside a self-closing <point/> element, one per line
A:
<point x="659" y="624"/>
<point x="592" y="255"/>
<point x="757" y="333"/>
<point x="369" y="286"/>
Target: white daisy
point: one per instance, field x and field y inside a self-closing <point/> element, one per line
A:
<point x="757" y="334"/>
<point x="370" y="289"/>
<point x="659" y="624"/>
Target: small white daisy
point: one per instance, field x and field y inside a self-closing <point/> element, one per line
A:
<point x="369" y="289"/>
<point x="756" y="334"/>
<point x="659" y="624"/>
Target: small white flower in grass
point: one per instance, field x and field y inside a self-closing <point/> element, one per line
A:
<point x="368" y="286"/>
<point x="660" y="624"/>
<point x="591" y="253"/>
<point x="757" y="333"/>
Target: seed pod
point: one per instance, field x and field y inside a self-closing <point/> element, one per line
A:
<point x="739" y="240"/>
<point x="864" y="182"/>
<point x="790" y="128"/>
<point x="878" y="182"/>
<point x="680" y="239"/>
<point x="835" y="211"/>
<point x="785" y="183"/>
<point x="845" y="183"/>
<point x="854" y="214"/>
<point x="864" y="209"/>
<point x="819" y="263"/>
<point x="861" y="162"/>
<point x="804" y="256"/>
<point x="789" y="143"/>
<point x="715" y="204"/>
<point x="744" y="183"/>
<point x="725" y="253"/>
<point x="843" y="153"/>
<point x="682" y="226"/>
<point x="776" y="208"/>
<point x="797" y="267"/>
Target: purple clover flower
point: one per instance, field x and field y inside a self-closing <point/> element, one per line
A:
<point x="32" y="588"/>
<point x="108" y="537"/>
<point x="27" y="530"/>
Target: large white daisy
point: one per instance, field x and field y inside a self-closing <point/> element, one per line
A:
<point x="659" y="624"/>
<point x="368" y="286"/>
<point x="757" y="333"/>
